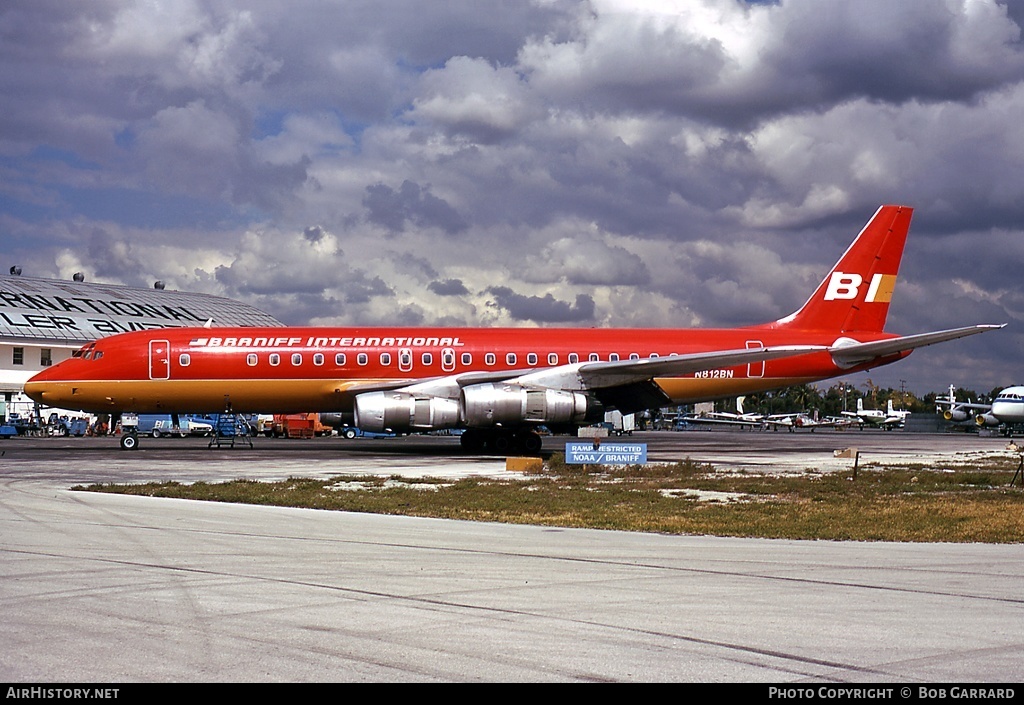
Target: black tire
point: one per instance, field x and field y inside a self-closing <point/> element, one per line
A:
<point x="531" y="443"/>
<point x="129" y="441"/>
<point x="155" y="433"/>
<point x="350" y="433"/>
<point x="502" y="444"/>
<point x="472" y="441"/>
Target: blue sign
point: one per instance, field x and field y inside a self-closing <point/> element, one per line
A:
<point x="586" y="452"/>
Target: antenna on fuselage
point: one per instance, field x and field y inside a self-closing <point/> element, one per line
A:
<point x="209" y="323"/>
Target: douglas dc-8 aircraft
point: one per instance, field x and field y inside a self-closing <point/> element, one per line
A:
<point x="498" y="384"/>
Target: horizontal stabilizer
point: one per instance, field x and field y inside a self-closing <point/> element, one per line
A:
<point x="849" y="353"/>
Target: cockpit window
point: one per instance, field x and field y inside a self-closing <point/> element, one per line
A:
<point x="97" y="355"/>
<point x="84" y="352"/>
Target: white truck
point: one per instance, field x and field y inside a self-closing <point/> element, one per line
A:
<point x="157" y="425"/>
<point x="619" y="424"/>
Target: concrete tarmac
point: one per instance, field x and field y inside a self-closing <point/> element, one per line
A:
<point x="106" y="588"/>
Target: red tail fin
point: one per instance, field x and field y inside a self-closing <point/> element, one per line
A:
<point x="856" y="293"/>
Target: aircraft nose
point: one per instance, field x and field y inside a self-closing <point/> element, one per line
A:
<point x="39" y="390"/>
<point x="44" y="387"/>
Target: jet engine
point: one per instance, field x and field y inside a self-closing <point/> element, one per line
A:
<point x="400" y="412"/>
<point x="955" y="415"/>
<point x="511" y="404"/>
<point x="986" y="420"/>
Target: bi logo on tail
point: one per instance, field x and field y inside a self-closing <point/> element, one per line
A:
<point x="846" y="286"/>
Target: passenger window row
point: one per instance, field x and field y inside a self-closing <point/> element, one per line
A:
<point x="405" y="359"/>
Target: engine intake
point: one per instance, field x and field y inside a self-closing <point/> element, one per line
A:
<point x="510" y="404"/>
<point x="986" y="420"/>
<point x="399" y="412"/>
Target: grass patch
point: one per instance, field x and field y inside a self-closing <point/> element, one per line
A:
<point x="910" y="503"/>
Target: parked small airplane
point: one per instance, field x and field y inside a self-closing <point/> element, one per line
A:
<point x="888" y="419"/>
<point x="727" y="418"/>
<point x="794" y="422"/>
<point x="498" y="384"/>
<point x="791" y="422"/>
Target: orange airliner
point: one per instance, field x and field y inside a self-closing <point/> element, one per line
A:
<point x="497" y="384"/>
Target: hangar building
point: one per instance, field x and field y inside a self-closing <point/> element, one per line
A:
<point x="42" y="321"/>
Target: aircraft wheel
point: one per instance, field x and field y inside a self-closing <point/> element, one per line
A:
<point x="502" y="443"/>
<point x="129" y="441"/>
<point x="472" y="441"/>
<point x="531" y="442"/>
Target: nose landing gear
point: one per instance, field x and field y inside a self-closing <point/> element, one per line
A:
<point x="130" y="441"/>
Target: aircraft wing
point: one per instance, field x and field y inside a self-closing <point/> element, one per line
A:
<point x="723" y="420"/>
<point x="584" y="376"/>
<point x="622" y="379"/>
<point x="853" y="353"/>
<point x="447" y="386"/>
<point x="965" y="405"/>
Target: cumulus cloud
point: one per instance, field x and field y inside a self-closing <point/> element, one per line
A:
<point x="299" y="276"/>
<point x="542" y="309"/>
<point x="470" y="97"/>
<point x="410" y="204"/>
<point x="448" y="287"/>
<point x="586" y="258"/>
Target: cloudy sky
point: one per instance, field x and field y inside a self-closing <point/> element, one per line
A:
<point x="507" y="162"/>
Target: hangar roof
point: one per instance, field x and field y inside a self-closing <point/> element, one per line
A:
<point x="73" y="313"/>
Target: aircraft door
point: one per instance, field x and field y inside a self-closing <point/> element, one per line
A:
<point x="755" y="369"/>
<point x="448" y="360"/>
<point x="159" y="359"/>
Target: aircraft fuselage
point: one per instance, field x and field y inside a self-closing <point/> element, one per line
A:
<point x="286" y="370"/>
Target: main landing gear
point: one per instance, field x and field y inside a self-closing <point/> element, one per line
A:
<point x="130" y="441"/>
<point x="501" y="441"/>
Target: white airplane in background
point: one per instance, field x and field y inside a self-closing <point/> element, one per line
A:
<point x="794" y="422"/>
<point x="727" y="418"/>
<point x="1007" y="409"/>
<point x="888" y="419"/>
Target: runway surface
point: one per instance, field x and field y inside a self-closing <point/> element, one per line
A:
<point x="106" y="588"/>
